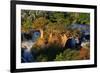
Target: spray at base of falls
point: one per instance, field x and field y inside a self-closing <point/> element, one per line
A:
<point x="27" y="44"/>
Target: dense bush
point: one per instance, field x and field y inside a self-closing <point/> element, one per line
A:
<point x="50" y="20"/>
<point x="68" y="54"/>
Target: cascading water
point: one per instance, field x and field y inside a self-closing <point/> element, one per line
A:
<point x="31" y="41"/>
<point x="26" y="44"/>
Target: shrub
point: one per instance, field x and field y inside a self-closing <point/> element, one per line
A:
<point x="68" y="54"/>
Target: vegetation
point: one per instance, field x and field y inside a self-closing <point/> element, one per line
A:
<point x="51" y="20"/>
